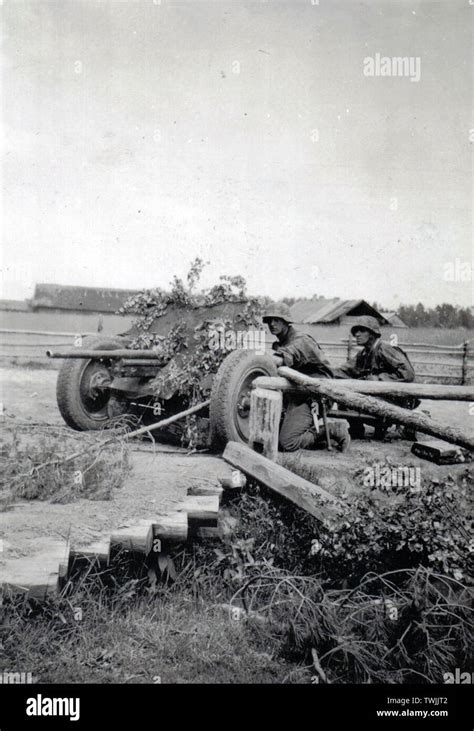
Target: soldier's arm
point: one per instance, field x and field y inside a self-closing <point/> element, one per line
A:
<point x="348" y="370"/>
<point x="300" y="352"/>
<point x="288" y="355"/>
<point x="351" y="368"/>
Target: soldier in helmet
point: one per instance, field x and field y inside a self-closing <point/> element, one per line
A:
<point x="300" y="429"/>
<point x="377" y="361"/>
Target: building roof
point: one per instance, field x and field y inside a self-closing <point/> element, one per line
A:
<point x="326" y="311"/>
<point x="394" y="319"/>
<point x="14" y="305"/>
<point x="79" y="299"/>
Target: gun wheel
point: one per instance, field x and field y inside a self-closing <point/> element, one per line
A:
<point x="82" y="387"/>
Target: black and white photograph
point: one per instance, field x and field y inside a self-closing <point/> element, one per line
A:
<point x="236" y="358"/>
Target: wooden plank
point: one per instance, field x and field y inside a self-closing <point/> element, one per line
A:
<point x="264" y="420"/>
<point x="137" y="538"/>
<point x="37" y="575"/>
<point x="434" y="391"/>
<point x="97" y="551"/>
<point x="199" y="490"/>
<point x="311" y="498"/>
<point x="376" y="407"/>
<point x="170" y="526"/>
<point x="201" y="510"/>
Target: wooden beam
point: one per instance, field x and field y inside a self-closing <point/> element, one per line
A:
<point x="201" y="510"/>
<point x="200" y="490"/>
<point x="99" y="552"/>
<point x="369" y="405"/>
<point x="137" y="538"/>
<point x="311" y="498"/>
<point x="432" y="391"/>
<point x="170" y="526"/>
<point x="264" y="421"/>
<point x="37" y="575"/>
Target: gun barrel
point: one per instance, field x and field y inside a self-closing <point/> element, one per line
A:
<point x="105" y="354"/>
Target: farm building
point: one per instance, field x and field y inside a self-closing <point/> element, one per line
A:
<point x="58" y="297"/>
<point x="68" y="309"/>
<point x="394" y="319"/>
<point x="335" y="311"/>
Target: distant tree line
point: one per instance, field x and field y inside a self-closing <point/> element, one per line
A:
<point x="444" y="315"/>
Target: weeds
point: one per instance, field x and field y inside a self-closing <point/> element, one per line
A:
<point x="51" y="467"/>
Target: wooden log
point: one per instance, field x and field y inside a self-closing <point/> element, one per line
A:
<point x="432" y="391"/>
<point x="382" y="409"/>
<point x="37" y="575"/>
<point x="137" y="538"/>
<point x="201" y="510"/>
<point x="171" y="527"/>
<point x="311" y="498"/>
<point x="264" y="421"/>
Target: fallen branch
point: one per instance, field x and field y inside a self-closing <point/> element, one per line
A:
<point x="129" y="435"/>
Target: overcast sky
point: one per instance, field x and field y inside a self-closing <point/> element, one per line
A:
<point x="141" y="134"/>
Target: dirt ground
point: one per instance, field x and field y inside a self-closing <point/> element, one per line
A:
<point x="159" y="479"/>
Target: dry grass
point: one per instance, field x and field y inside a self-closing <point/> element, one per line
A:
<point x="115" y="628"/>
<point x="53" y="463"/>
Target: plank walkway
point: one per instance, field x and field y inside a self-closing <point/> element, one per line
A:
<point x="45" y="572"/>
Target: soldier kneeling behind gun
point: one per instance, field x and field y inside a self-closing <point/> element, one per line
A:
<point x="301" y="427"/>
<point x="378" y="361"/>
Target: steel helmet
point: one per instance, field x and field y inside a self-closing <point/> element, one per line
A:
<point x="367" y="323"/>
<point x="277" y="310"/>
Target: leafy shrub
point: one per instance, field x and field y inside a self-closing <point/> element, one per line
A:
<point x="190" y="369"/>
<point x="431" y="527"/>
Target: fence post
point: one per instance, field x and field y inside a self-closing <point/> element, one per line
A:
<point x="465" y="349"/>
<point x="349" y="346"/>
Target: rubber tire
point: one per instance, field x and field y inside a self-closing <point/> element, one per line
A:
<point x="68" y="385"/>
<point x="233" y="371"/>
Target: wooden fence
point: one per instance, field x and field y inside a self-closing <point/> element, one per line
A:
<point x="433" y="363"/>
